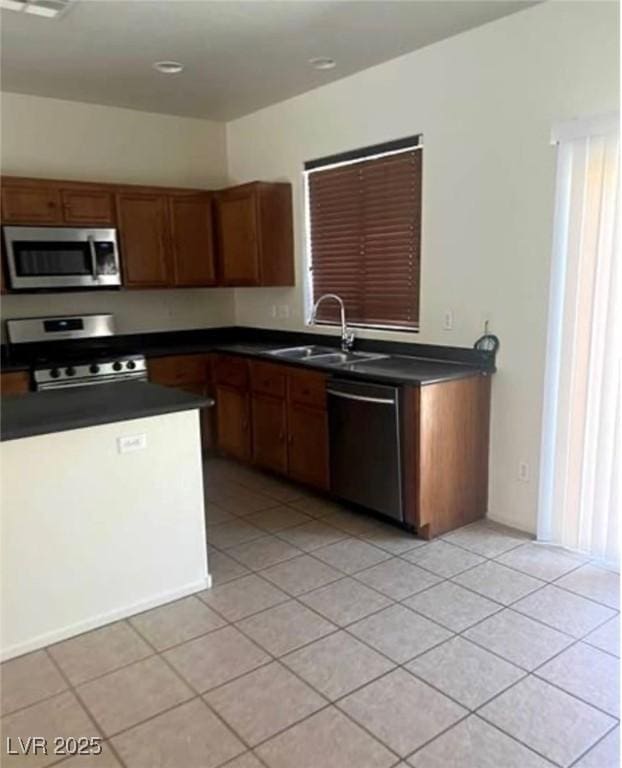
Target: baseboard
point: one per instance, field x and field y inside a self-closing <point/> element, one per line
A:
<point x="494" y="518"/>
<point x="94" y="622"/>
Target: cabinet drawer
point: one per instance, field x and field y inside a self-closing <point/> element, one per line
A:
<point x="307" y="388"/>
<point x="177" y="370"/>
<point x="230" y="371"/>
<point x="267" y="378"/>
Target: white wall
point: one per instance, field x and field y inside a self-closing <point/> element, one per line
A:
<point x="485" y="102"/>
<point x="116" y="541"/>
<point x="134" y="311"/>
<point x="50" y="138"/>
<point x="55" y="139"/>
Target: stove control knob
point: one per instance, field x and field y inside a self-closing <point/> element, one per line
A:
<point x="54" y="373"/>
<point x="131" y="365"/>
<point x="94" y="368"/>
<point x="117" y="366"/>
<point x="71" y="371"/>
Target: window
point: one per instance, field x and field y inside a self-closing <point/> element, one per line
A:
<point x="364" y="234"/>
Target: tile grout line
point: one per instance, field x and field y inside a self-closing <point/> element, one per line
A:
<point x="198" y="695"/>
<point x="544" y="583"/>
<point x="596" y="743"/>
<point x="86" y="709"/>
<point x="393" y="602"/>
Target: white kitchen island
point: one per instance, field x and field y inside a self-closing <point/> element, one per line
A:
<point x="102" y="515"/>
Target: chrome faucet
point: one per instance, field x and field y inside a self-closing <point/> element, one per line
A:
<point x="347" y="336"/>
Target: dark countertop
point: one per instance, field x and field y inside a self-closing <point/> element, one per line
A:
<point x="40" y="413"/>
<point x="394" y="369"/>
<point x="409" y="362"/>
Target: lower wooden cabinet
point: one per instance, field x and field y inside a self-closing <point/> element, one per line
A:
<point x="274" y="415"/>
<point x="285" y="408"/>
<point x="269" y="432"/>
<point x="192" y="374"/>
<point x="307" y="445"/>
<point x="15" y="383"/>
<point x="233" y="422"/>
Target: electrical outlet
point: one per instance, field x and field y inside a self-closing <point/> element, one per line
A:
<point x="129" y="443"/>
<point x="523" y="471"/>
<point x="273" y="311"/>
<point x="448" y="320"/>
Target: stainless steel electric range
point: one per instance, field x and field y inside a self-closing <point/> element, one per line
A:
<point x="74" y="351"/>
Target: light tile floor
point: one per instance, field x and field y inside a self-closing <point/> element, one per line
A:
<point x="332" y="640"/>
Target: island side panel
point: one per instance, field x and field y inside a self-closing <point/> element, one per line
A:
<point x="90" y="535"/>
<point x="452" y="454"/>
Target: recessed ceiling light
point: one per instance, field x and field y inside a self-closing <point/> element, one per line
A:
<point x="323" y="62"/>
<point x="168" y="67"/>
<point x="49" y="9"/>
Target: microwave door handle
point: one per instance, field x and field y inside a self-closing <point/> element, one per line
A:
<point x="91" y="242"/>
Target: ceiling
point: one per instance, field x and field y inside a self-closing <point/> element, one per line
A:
<point x="238" y="56"/>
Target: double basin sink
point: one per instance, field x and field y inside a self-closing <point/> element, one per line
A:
<point x="324" y="355"/>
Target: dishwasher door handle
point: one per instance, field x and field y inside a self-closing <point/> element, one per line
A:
<point x="361" y="398"/>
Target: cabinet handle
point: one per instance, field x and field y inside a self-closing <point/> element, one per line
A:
<point x="290" y="439"/>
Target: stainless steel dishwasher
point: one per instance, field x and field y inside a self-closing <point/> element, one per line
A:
<point x="365" y="451"/>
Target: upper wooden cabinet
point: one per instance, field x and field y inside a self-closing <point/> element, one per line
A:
<point x="82" y="206"/>
<point x="255" y="234"/>
<point x="166" y="240"/>
<point x="192" y="239"/>
<point x="143" y="230"/>
<point x="171" y="237"/>
<point x="30" y="205"/>
<point x="39" y="201"/>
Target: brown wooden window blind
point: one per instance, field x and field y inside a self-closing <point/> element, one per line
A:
<point x="365" y="235"/>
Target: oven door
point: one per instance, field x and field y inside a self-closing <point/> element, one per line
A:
<point x="56" y="257"/>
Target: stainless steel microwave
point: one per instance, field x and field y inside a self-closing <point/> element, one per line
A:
<point x="61" y="257"/>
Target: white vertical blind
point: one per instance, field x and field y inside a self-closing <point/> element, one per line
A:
<point x="580" y="474"/>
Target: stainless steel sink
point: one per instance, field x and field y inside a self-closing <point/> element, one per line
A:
<point x="343" y="358"/>
<point x="301" y="353"/>
<point x="324" y="355"/>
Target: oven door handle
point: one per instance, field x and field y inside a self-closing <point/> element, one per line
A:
<point x="91" y="242"/>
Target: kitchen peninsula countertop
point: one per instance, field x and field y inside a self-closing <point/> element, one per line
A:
<point x="39" y="413"/>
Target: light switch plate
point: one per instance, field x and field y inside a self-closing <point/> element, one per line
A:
<point x="129" y="443"/>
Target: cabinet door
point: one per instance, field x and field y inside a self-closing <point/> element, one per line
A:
<point x="15" y="383"/>
<point x="200" y="388"/>
<point x="31" y="205"/>
<point x="269" y="431"/>
<point x="192" y="240"/>
<point x="87" y="206"/>
<point x="307" y="449"/>
<point x="232" y="415"/>
<point x="238" y="239"/>
<point x="144" y="240"/>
